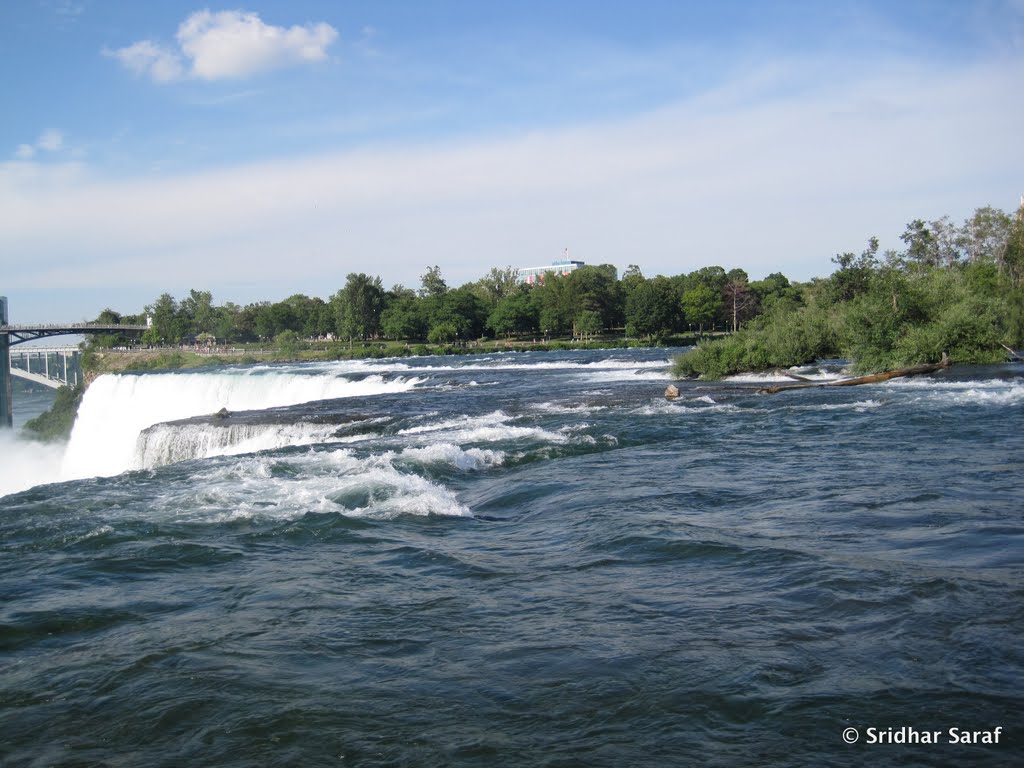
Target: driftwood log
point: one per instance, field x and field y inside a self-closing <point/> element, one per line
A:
<point x="875" y="377"/>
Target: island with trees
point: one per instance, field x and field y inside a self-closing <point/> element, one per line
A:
<point x="953" y="292"/>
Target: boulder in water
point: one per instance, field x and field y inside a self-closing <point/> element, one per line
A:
<point x="671" y="391"/>
<point x="223" y="413"/>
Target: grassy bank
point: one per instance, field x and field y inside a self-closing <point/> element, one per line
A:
<point x="97" y="362"/>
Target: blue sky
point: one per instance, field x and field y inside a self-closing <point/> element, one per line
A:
<point x="271" y="148"/>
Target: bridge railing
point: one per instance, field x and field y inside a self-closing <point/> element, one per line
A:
<point x="72" y="326"/>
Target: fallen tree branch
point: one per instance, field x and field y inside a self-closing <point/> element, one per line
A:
<point x="790" y="375"/>
<point x="873" y="378"/>
<point x="1014" y="356"/>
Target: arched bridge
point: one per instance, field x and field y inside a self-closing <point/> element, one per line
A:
<point x="11" y="335"/>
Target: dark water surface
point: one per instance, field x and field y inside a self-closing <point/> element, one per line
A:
<point x="521" y="560"/>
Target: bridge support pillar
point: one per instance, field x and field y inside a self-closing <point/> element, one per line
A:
<point x="6" y="412"/>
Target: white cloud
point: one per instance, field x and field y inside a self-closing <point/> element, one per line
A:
<point x="148" y="58"/>
<point x="48" y="141"/>
<point x="51" y="141"/>
<point x="226" y="45"/>
<point x="767" y="185"/>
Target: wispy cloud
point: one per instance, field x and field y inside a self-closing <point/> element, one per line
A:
<point x="48" y="141"/>
<point x="226" y="45"/>
<point x="151" y="59"/>
<point x="765" y="185"/>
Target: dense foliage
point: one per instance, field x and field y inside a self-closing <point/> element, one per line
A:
<point x="954" y="290"/>
<point x="56" y="423"/>
<point x="589" y="302"/>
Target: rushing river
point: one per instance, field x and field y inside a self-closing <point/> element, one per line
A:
<point x="525" y="559"/>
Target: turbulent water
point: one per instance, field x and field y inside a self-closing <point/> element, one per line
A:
<point x="527" y="559"/>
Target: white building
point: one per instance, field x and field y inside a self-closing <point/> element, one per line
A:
<point x="531" y="275"/>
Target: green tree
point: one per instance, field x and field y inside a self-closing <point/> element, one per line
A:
<point x="853" y="278"/>
<point x="587" y="324"/>
<point x="358" y="307"/>
<point x="197" y="312"/>
<point x="404" y="316"/>
<point x="1013" y="253"/>
<point x="651" y="308"/>
<point x="922" y="249"/>
<point x="287" y="342"/>
<point x="596" y="289"/>
<point x="271" y="319"/>
<point x="986" y="235"/>
<point x="701" y="304"/>
<point x="553" y="300"/>
<point x="773" y="289"/>
<point x="166" y="325"/>
<point x="433" y="285"/>
<point x="443" y="332"/>
<point x="461" y="309"/>
<point x="497" y="285"/>
<point x="226" y="322"/>
<point x="105" y="340"/>
<point x="632" y="278"/>
<point x="514" y="314"/>
<point x="738" y="300"/>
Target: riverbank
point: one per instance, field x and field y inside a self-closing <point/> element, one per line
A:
<point x="98" y="362"/>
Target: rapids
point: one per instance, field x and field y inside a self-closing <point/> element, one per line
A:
<point x="517" y="559"/>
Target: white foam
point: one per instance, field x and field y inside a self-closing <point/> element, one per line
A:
<point x="858" y="405"/>
<point x="286" y="488"/>
<point x="566" y="408"/>
<point x="490" y="428"/>
<point x="459" y="423"/>
<point x="765" y="377"/>
<point x="676" y="407"/>
<point x="471" y="459"/>
<point x="962" y="392"/>
<point x="169" y="443"/>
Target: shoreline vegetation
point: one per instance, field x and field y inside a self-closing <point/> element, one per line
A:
<point x="954" y="290"/>
<point x="99" y="361"/>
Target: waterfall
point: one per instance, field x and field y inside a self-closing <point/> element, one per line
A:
<point x="117" y="408"/>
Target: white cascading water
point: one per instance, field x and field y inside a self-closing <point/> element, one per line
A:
<point x="168" y="444"/>
<point x="118" y="407"/>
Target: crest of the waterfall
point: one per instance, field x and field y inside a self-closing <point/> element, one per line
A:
<point x="118" y="407"/>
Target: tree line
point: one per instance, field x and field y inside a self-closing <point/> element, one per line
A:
<point x="589" y="301"/>
<point x="585" y="303"/>
<point x="957" y="290"/>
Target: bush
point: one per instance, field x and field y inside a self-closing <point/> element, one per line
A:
<point x="287" y="342"/>
<point x="56" y="423"/>
<point x="780" y="339"/>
